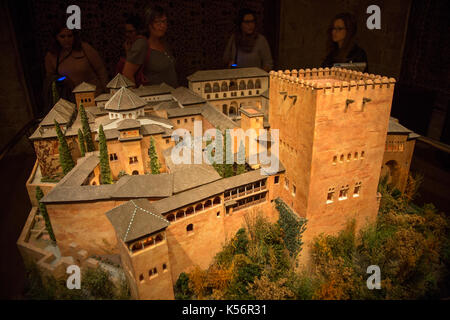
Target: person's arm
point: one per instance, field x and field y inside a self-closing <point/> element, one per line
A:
<point x="97" y="63"/>
<point x="129" y="70"/>
<point x="266" y="55"/>
<point x="135" y="58"/>
<point x="228" y="53"/>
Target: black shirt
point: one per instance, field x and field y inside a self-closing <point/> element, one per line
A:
<point x="357" y="54"/>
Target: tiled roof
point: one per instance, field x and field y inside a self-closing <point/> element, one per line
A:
<point x="120" y="81"/>
<point x="135" y="219"/>
<point x="183" y="112"/>
<point x="226" y="74"/>
<point x="84" y="87"/>
<point x="61" y="112"/>
<point x="144" y="186"/>
<point x="78" y="175"/>
<point x="217" y="118"/>
<point x="186" y="97"/>
<point x="128" y="124"/>
<point x="396" y="127"/>
<point x="125" y="99"/>
<point x="154" y="90"/>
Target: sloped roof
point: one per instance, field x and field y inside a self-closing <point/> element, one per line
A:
<point x="103" y="97"/>
<point x="84" y="87"/>
<point x="153" y="90"/>
<point x="120" y="81"/>
<point x="144" y="186"/>
<point x="226" y="74"/>
<point x="396" y="127"/>
<point x="183" y="112"/>
<point x="84" y="167"/>
<point x="135" y="219"/>
<point x="124" y="99"/>
<point x="128" y="124"/>
<point x="61" y="112"/>
<point x="250" y="112"/>
<point x="186" y="97"/>
<point x="193" y="176"/>
<point x="217" y="118"/>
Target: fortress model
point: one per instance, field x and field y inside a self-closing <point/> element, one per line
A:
<point x="336" y="138"/>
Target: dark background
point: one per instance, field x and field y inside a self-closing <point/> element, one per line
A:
<point x="412" y="46"/>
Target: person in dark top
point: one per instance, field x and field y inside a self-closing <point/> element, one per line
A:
<point x="152" y="58"/>
<point x="246" y="47"/>
<point x="341" y="44"/>
<point x="133" y="31"/>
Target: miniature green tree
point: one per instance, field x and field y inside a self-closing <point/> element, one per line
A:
<point x="154" y="162"/>
<point x="39" y="195"/>
<point x="81" y="143"/>
<point x="105" y="170"/>
<point x="55" y="94"/>
<point x="48" y="225"/>
<point x="86" y="130"/>
<point x="241" y="159"/>
<point x="65" y="158"/>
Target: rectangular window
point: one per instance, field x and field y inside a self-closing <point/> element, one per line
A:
<point x="343" y="193"/>
<point x="357" y="189"/>
<point x="277" y="179"/>
<point x="286" y="183"/>
<point x="294" y="190"/>
<point x="185" y="120"/>
<point x="178" y="121"/>
<point x="135" y="159"/>
<point x="167" y="141"/>
<point x="192" y="119"/>
<point x="131" y="160"/>
<point x="330" y="195"/>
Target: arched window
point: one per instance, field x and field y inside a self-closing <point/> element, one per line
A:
<point x="158" y="238"/>
<point x="216" y="87"/>
<point x="216" y="200"/>
<point x="190" y="228"/>
<point x="180" y="214"/>
<point x="250" y="84"/>
<point x="232" y="111"/>
<point x="233" y="85"/>
<point x="189" y="211"/>
<point x="199" y="207"/>
<point x="148" y="241"/>
<point x="242" y="85"/>
<point x="258" y="84"/>
<point x="207" y="204"/>
<point x="207" y="88"/>
<point x="135" y="173"/>
<point x="225" y="109"/>
<point x="171" y="217"/>
<point x="224" y="86"/>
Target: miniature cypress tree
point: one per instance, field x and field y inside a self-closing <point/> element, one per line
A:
<point x="39" y="195"/>
<point x="48" y="225"/>
<point x="105" y="170"/>
<point x="86" y="130"/>
<point x="154" y="162"/>
<point x="241" y="159"/>
<point x="81" y="143"/>
<point x="55" y="94"/>
<point x="65" y="158"/>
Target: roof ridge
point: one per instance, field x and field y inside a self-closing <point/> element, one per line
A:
<point x="131" y="222"/>
<point x="159" y="217"/>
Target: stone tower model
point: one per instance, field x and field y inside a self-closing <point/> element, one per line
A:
<point x="332" y="128"/>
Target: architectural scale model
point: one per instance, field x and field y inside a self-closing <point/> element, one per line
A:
<point x="336" y="138"/>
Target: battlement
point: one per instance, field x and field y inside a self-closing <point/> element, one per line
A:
<point x="334" y="78"/>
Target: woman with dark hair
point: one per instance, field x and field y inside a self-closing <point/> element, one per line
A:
<point x="151" y="61"/>
<point x="341" y="44"/>
<point x="73" y="60"/>
<point x="246" y="47"/>
<point x="133" y="31"/>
